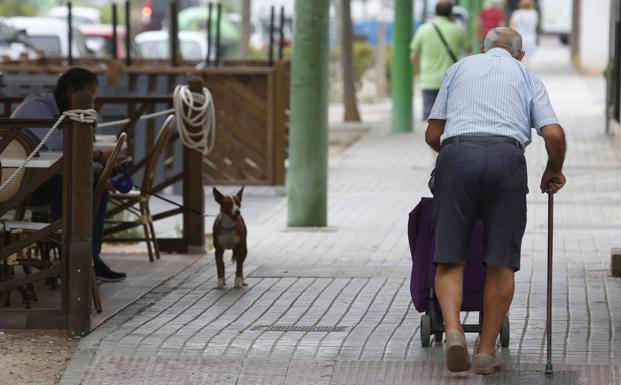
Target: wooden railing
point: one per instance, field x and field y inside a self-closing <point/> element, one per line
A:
<point x="74" y="309"/>
<point x="251" y="102"/>
<point x="75" y="229"/>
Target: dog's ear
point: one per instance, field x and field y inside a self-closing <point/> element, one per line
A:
<point x="218" y="195"/>
<point x="239" y="194"/>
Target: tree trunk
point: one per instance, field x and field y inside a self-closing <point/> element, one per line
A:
<point x="380" y="63"/>
<point x="244" y="43"/>
<point x="347" y="64"/>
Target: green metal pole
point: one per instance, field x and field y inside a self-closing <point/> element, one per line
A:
<point x="474" y="11"/>
<point x="307" y="178"/>
<point x="402" y="79"/>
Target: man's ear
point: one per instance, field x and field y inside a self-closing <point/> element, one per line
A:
<point x="521" y="55"/>
<point x="217" y="195"/>
<point x="238" y="196"/>
<point x="69" y="94"/>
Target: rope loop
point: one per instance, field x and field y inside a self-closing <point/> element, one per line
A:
<point x="194" y="109"/>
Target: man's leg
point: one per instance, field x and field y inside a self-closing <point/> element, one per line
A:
<point x="102" y="271"/>
<point x="450" y="290"/>
<point x="98" y="224"/>
<point x="498" y="295"/>
<point x="459" y="169"/>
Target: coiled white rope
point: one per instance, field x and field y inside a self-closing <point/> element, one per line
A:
<point x="142" y="117"/>
<point x="194" y="109"/>
<point x="88" y="116"/>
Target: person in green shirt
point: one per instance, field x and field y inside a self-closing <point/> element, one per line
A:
<point x="431" y="57"/>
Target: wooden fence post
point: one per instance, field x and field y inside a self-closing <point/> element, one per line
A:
<point x="193" y="194"/>
<point x="281" y="105"/>
<point x="78" y="217"/>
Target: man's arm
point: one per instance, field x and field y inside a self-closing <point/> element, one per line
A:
<point x="415" y="59"/>
<point x="465" y="42"/>
<point x="415" y="48"/>
<point x="553" y="178"/>
<point x="435" y="128"/>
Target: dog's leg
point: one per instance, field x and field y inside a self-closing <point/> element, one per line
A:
<point x="220" y="267"/>
<point x="239" y="254"/>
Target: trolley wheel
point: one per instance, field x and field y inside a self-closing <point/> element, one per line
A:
<point x="425" y="330"/>
<point x="438" y="337"/>
<point x="505" y="332"/>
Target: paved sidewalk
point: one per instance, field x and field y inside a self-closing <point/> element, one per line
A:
<point x="332" y="306"/>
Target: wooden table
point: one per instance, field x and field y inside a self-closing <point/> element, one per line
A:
<point x="45" y="160"/>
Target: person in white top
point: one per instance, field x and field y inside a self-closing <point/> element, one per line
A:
<point x="524" y="20"/>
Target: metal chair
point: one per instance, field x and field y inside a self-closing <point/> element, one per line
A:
<point x="97" y="195"/>
<point x="140" y="198"/>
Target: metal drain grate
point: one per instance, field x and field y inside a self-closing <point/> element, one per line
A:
<point x="290" y="328"/>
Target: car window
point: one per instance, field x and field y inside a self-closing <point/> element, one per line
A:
<point x="99" y="45"/>
<point x="48" y="43"/>
<point x="153" y="49"/>
<point x="190" y="50"/>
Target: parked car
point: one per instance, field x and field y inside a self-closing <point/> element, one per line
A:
<point x="260" y="32"/>
<point x="99" y="40"/>
<point x="156" y="45"/>
<point x="556" y="18"/>
<point x="14" y="43"/>
<point x="195" y="19"/>
<point x="50" y="35"/>
<point x="80" y="15"/>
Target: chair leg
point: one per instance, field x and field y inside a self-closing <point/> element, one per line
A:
<point x="30" y="287"/>
<point x="156" y="247"/>
<point x="145" y="227"/>
<point x="95" y="291"/>
<point x="5" y="296"/>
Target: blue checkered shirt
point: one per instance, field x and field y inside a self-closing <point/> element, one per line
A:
<point x="492" y="94"/>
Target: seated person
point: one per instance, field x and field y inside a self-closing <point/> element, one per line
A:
<point x="50" y="106"/>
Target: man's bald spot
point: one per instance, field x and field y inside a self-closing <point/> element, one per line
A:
<point x="503" y="37"/>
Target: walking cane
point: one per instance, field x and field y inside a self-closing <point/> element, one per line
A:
<point x="549" y="369"/>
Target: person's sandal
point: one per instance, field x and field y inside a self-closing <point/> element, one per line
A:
<point x="484" y="364"/>
<point x="456" y="350"/>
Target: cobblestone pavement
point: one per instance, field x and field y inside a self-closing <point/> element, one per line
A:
<point x="332" y="306"/>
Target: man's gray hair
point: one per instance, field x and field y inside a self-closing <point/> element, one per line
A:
<point x="503" y="37"/>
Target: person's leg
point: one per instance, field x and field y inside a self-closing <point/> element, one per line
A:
<point x="56" y="197"/>
<point x="50" y="194"/>
<point x="498" y="295"/>
<point x="504" y="221"/>
<point x="449" y="288"/>
<point x="102" y="271"/>
<point x="98" y="224"/>
<point x="455" y="207"/>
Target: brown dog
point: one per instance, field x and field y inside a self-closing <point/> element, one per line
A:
<point x="229" y="233"/>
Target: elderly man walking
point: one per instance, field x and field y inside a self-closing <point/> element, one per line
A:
<point x="480" y="124"/>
